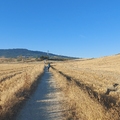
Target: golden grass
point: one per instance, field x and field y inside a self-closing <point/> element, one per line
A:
<point x="87" y="84"/>
<point x="16" y="81"/>
<point x="100" y="73"/>
<point x="75" y="110"/>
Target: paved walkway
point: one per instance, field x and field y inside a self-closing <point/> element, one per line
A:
<point x="45" y="103"/>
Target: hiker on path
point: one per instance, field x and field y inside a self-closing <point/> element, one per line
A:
<point x="48" y="66"/>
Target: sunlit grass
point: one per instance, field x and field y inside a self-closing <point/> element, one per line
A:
<point x="86" y="83"/>
<point x="16" y="81"/>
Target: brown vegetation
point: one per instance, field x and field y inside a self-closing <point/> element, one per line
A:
<point x="92" y="87"/>
<point x="16" y="82"/>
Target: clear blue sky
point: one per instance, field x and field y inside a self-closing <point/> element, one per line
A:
<point x="79" y="28"/>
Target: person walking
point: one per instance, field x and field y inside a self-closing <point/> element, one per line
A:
<point x="48" y="66"/>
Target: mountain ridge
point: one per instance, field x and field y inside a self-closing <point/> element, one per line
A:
<point x="15" y="52"/>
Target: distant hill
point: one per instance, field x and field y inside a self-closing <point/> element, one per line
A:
<point x="14" y="53"/>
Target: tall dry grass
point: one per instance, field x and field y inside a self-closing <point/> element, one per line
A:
<point x="99" y="74"/>
<point x="87" y="84"/>
<point x="16" y="82"/>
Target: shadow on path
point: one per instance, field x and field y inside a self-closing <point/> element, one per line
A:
<point x="44" y="104"/>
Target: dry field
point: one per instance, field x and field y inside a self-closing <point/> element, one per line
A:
<point x="91" y="87"/>
<point x="16" y="82"/>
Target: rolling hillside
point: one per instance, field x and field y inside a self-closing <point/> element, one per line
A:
<point x="91" y="87"/>
<point x="14" y="53"/>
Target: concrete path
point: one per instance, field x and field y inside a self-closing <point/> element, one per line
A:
<point x="45" y="103"/>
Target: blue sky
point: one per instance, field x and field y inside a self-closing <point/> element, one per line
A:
<point x="79" y="28"/>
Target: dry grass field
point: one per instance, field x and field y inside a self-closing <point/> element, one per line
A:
<point x="16" y="82"/>
<point x="91" y="87"/>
